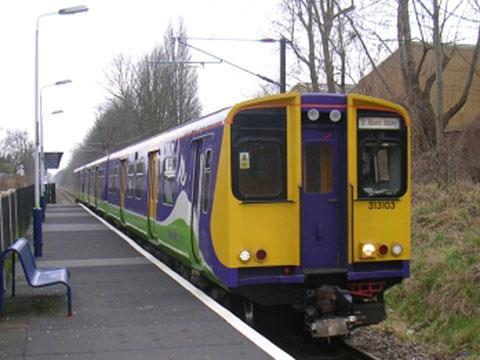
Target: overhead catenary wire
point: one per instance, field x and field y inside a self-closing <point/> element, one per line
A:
<point x="260" y="76"/>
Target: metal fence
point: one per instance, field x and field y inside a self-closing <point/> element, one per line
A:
<point x="15" y="214"/>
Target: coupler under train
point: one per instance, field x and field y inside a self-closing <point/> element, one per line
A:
<point x="331" y="311"/>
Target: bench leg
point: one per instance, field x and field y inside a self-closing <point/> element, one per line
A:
<point x="69" y="299"/>
<point x="13" y="273"/>
<point x="1" y="288"/>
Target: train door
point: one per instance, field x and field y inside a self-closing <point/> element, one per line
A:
<point x="201" y="196"/>
<point x="320" y="199"/>
<point x="123" y="185"/>
<point x="152" y="190"/>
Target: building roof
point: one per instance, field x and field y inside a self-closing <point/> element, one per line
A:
<point x="52" y="160"/>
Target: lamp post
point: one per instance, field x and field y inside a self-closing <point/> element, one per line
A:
<point x="43" y="169"/>
<point x="283" y="60"/>
<point x="37" y="211"/>
<point x="43" y="202"/>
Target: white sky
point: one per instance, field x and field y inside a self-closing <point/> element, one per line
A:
<point x="81" y="47"/>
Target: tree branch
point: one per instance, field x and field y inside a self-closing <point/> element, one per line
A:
<point x="468" y="84"/>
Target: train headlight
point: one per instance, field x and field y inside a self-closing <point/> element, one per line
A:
<point x="397" y="249"/>
<point x="244" y="256"/>
<point x="313" y="115"/>
<point x="335" y="115"/>
<point x="368" y="251"/>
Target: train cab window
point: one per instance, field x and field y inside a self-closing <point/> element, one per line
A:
<point x="259" y="155"/>
<point x="207" y="169"/>
<point x="131" y="180"/>
<point x="139" y="179"/>
<point x="259" y="169"/>
<point x="318" y="168"/>
<point x="381" y="168"/>
<point x="382" y="157"/>
<point x="169" y="185"/>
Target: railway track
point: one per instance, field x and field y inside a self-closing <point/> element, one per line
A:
<point x="64" y="196"/>
<point x="352" y="352"/>
<point x="283" y="327"/>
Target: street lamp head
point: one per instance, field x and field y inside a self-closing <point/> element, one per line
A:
<point x="268" y="40"/>
<point x="57" y="112"/>
<point x="63" y="82"/>
<point x="73" y="10"/>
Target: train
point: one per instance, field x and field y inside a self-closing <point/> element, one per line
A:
<point x="296" y="200"/>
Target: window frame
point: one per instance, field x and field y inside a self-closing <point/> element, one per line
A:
<point x="266" y="123"/>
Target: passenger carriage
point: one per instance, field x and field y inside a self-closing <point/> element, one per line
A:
<point x="292" y="199"/>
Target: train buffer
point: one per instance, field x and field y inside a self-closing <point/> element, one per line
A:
<point x="125" y="307"/>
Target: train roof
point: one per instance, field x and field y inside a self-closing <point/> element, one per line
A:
<point x="151" y="144"/>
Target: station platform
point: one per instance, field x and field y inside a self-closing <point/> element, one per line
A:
<point x="124" y="305"/>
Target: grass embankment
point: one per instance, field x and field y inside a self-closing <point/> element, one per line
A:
<point x="441" y="300"/>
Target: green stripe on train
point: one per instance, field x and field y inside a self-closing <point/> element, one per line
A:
<point x="173" y="238"/>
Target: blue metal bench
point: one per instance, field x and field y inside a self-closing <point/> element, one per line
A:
<point x="36" y="277"/>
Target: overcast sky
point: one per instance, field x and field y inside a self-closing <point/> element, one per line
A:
<point x="81" y="47"/>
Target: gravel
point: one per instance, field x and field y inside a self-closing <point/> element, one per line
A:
<point x="385" y="345"/>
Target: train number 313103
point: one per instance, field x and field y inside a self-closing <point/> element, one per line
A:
<point x="381" y="205"/>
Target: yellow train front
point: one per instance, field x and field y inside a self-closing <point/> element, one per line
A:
<point x="311" y="206"/>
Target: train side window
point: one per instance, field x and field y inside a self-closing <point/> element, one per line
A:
<point x="100" y="183"/>
<point x="91" y="190"/>
<point x="318" y="167"/>
<point x="139" y="179"/>
<point x="115" y="186"/>
<point x="169" y="184"/>
<point x="131" y="180"/>
<point x="110" y="180"/>
<point x="206" y="193"/>
<point x="259" y="155"/>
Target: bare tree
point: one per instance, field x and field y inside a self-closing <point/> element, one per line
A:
<point x="152" y="95"/>
<point x="18" y="151"/>
<point x="432" y="124"/>
<point x="323" y="24"/>
<point x="184" y="104"/>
